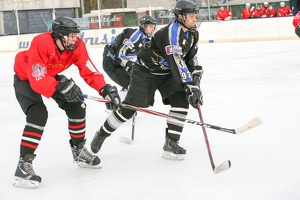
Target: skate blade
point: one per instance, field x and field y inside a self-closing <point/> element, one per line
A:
<point x="23" y="183"/>
<point x="84" y="165"/>
<point x="171" y="156"/>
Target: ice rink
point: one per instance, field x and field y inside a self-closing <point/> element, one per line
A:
<point x="240" y="81"/>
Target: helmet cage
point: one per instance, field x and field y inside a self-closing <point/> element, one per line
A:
<point x="145" y="21"/>
<point x="61" y="29"/>
<point x="185" y="7"/>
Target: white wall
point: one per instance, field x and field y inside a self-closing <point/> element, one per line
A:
<point x="225" y="31"/>
<point x="248" y="30"/>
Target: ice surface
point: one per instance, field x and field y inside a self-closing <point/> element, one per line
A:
<point x="240" y="81"/>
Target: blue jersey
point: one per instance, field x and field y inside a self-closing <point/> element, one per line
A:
<point x="126" y="46"/>
<point x="171" y="50"/>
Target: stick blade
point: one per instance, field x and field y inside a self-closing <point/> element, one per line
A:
<point x="249" y="125"/>
<point x="222" y="167"/>
<point x="125" y="140"/>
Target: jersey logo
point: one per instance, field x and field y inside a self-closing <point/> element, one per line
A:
<point x="39" y="72"/>
<point x="128" y="43"/>
<point x="173" y="49"/>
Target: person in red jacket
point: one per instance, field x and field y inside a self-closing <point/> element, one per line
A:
<point x="296" y="23"/>
<point x="271" y="12"/>
<point x="247" y="12"/>
<point x="264" y="9"/>
<point x="257" y="12"/>
<point x="37" y="74"/>
<point x="284" y="10"/>
<point x="224" y="14"/>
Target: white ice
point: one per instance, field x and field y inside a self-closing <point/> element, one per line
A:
<point x="241" y="81"/>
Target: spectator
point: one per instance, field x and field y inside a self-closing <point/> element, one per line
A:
<point x="224" y="14"/>
<point x="257" y="12"/>
<point x="264" y="9"/>
<point x="271" y="12"/>
<point x="246" y="12"/>
<point x="284" y="10"/>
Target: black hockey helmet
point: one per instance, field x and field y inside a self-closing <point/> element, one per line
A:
<point x="183" y="7"/>
<point x="62" y="27"/>
<point x="144" y="21"/>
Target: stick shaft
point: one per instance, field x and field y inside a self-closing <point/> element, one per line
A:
<point x="168" y="116"/>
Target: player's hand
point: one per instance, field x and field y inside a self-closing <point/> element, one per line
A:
<point x="67" y="89"/>
<point x="194" y="95"/>
<point x="110" y="93"/>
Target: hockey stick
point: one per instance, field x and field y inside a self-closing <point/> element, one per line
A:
<point x="127" y="140"/>
<point x="222" y="167"/>
<point x="249" y="125"/>
<point x="123" y="139"/>
<point x="133" y="127"/>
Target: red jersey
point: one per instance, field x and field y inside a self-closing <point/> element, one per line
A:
<point x="222" y="14"/>
<point x="284" y="11"/>
<point x="42" y="61"/>
<point x="263" y="11"/>
<point x="257" y="13"/>
<point x="246" y="13"/>
<point x="271" y="13"/>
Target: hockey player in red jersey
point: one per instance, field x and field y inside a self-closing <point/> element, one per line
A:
<point x="224" y="14"/>
<point x="296" y="23"/>
<point x="37" y="74"/>
<point x="247" y="12"/>
<point x="271" y="12"/>
<point x="168" y="64"/>
<point x="284" y="10"/>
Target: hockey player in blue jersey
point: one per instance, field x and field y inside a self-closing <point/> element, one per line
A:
<point x="168" y="64"/>
<point x="120" y="55"/>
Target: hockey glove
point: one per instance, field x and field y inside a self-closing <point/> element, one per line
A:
<point x="194" y="95"/>
<point x="197" y="75"/>
<point x="67" y="89"/>
<point x="110" y="93"/>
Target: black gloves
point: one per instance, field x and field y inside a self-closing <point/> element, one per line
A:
<point x="67" y="89"/>
<point x="194" y="95"/>
<point x="193" y="91"/>
<point x="110" y="93"/>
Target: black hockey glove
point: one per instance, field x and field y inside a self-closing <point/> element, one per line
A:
<point x="193" y="91"/>
<point x="110" y="93"/>
<point x="194" y="95"/>
<point x="67" y="89"/>
<point x="197" y="75"/>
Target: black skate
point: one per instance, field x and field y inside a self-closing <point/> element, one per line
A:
<point x="25" y="175"/>
<point x="97" y="142"/>
<point x="83" y="157"/>
<point x="172" y="151"/>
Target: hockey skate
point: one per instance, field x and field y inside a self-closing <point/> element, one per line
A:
<point x="172" y="151"/>
<point x="25" y="176"/>
<point x="97" y="142"/>
<point x="83" y="157"/>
